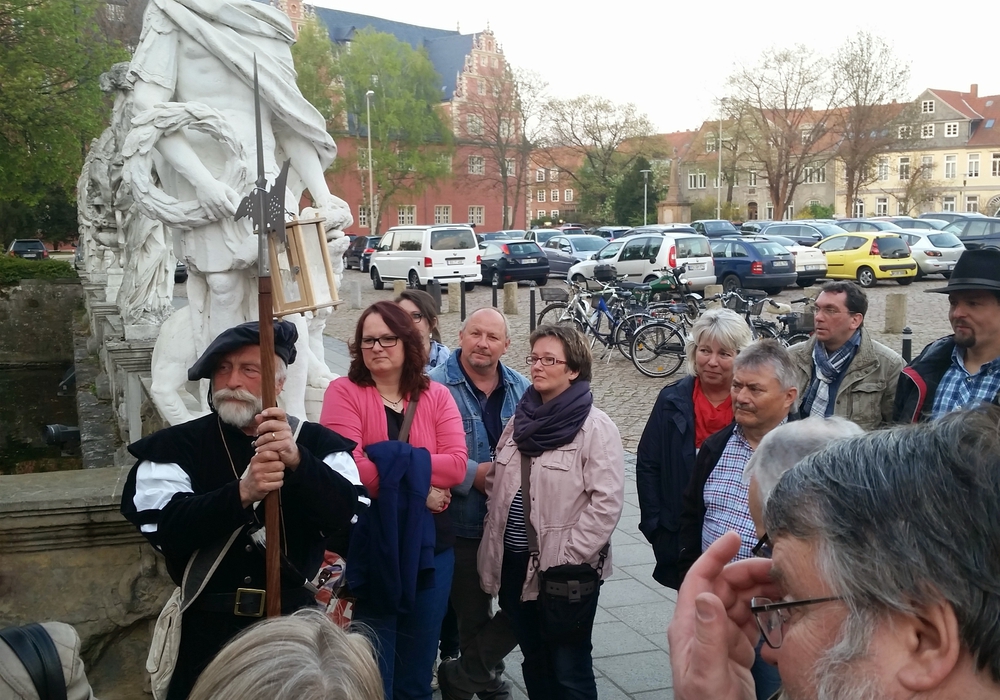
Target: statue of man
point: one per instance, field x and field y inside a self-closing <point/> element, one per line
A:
<point x="202" y="52"/>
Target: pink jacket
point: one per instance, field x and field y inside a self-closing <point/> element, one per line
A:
<point x="358" y="414"/>
<point x="577" y="496"/>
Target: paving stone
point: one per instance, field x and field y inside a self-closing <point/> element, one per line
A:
<point x="626" y="592"/>
<point x="647" y="618"/>
<point x="620" y="538"/>
<point x="636" y="553"/>
<point x="635" y="673"/>
<point x="606" y="690"/>
<point x="613" y="638"/>
<point x="665" y="694"/>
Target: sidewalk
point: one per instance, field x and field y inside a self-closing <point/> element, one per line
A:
<point x="630" y="630"/>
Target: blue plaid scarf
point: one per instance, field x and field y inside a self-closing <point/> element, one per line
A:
<point x="828" y="370"/>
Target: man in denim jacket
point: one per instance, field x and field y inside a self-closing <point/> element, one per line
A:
<point x="487" y="392"/>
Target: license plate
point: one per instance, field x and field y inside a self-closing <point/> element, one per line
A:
<point x="897" y="272"/>
<point x="31" y="255"/>
<point x="529" y="261"/>
<point x="780" y="263"/>
<point x="456" y="261"/>
<point x="815" y="267"/>
<point x="696" y="266"/>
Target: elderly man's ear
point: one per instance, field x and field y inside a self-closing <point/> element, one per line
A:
<point x="930" y="648"/>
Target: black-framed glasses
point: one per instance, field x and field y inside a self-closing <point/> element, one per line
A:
<point x="386" y="341"/>
<point x="771" y="617"/>
<point x="546" y="361"/>
<point x="417" y="316"/>
<point x="763" y="547"/>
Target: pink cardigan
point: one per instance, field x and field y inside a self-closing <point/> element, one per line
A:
<point x="358" y="414"/>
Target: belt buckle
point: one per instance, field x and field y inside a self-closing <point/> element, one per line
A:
<point x="573" y="592"/>
<point x="242" y="594"/>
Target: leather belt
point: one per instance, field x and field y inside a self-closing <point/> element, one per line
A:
<point x="573" y="590"/>
<point x="245" y="602"/>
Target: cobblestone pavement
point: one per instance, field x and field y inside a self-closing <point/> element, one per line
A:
<point x="619" y="389"/>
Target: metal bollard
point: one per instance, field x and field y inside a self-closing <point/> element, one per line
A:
<point x="531" y="305"/>
<point x="907" y="345"/>
<point x="463" y="298"/>
<point x="434" y="289"/>
<point x="496" y="286"/>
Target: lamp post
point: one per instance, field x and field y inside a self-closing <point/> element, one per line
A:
<point x="645" y="193"/>
<point x="371" y="175"/>
<point x="718" y="176"/>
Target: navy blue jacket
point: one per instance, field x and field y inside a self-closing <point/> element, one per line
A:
<point x="663" y="467"/>
<point x="391" y="555"/>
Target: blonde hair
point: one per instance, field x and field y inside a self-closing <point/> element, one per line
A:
<point x="724" y="326"/>
<point x="301" y="657"/>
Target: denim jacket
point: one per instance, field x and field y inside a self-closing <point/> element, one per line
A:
<point x="468" y="506"/>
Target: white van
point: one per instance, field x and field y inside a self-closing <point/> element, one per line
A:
<point x="643" y="256"/>
<point x="418" y="254"/>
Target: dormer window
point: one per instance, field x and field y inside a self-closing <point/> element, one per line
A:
<point x="927" y="107"/>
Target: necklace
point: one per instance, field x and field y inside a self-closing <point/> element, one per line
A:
<point x="392" y="404"/>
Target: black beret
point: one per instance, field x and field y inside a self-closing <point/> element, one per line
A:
<point x="244" y="334"/>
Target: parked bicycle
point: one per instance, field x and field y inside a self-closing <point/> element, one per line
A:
<point x="789" y="328"/>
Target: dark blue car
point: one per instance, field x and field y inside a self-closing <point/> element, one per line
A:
<point x="743" y="264"/>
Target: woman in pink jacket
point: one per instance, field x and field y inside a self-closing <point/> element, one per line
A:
<point x="367" y="406"/>
<point x="577" y="480"/>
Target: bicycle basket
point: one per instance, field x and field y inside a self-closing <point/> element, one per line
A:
<point x="596" y="297"/>
<point x="756" y="307"/>
<point x="553" y="293"/>
<point x="605" y="273"/>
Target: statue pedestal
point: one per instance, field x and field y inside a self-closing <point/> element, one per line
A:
<point x="141" y="331"/>
<point x="115" y="277"/>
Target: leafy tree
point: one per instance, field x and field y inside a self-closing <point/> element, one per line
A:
<point x="817" y="211"/>
<point x="51" y="105"/>
<point x="917" y="190"/>
<point x="703" y="208"/>
<point x="316" y="69"/>
<point x="411" y="144"/>
<point x="635" y="195"/>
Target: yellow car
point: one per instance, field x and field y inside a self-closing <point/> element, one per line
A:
<point x="868" y="258"/>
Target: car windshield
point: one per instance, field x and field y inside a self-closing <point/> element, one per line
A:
<point x="523" y="248"/>
<point x="543" y="236"/>
<point x="453" y="239"/>
<point x="589" y="243"/>
<point x="944" y="240"/>
<point x="719" y="227"/>
<point x="954" y="227"/>
<point x="693" y="247"/>
<point x="770" y="248"/>
<point x="28" y="245"/>
<point x="828" y="229"/>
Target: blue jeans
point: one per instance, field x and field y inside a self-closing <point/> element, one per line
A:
<point x="551" y="671"/>
<point x="407" y="644"/>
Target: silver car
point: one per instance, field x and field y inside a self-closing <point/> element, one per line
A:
<point x="935" y="252"/>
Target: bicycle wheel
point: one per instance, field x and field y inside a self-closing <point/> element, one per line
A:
<point x="557" y="312"/>
<point x="763" y="329"/>
<point x="795" y="339"/>
<point x="657" y="349"/>
<point x="626" y="328"/>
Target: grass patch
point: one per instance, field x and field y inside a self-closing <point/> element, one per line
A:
<point x="13" y="270"/>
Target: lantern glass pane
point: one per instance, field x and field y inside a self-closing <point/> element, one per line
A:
<point x="314" y="239"/>
<point x="288" y="274"/>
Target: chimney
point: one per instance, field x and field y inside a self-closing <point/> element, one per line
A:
<point x="974" y="90"/>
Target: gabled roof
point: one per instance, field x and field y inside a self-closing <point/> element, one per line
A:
<point x="447" y="48"/>
<point x="983" y="111"/>
<point x="963" y="102"/>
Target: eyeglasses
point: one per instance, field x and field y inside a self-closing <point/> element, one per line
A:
<point x="771" y="617"/>
<point x="417" y="316"/>
<point x="763" y="547"/>
<point x="386" y="341"/>
<point x="546" y="361"/>
<point x="832" y="311"/>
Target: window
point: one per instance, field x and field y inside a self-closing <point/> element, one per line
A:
<point x="951" y="129"/>
<point x="927" y="131"/>
<point x="567" y="195"/>
<point x="900" y="209"/>
<point x="927" y="107"/>
<point x="769" y="210"/>
<point x="114" y="12"/>
<point x="926" y="167"/>
<point x="789" y="212"/>
<point x="752" y="178"/>
<point x="363" y="217"/>
<point x="542" y="214"/>
<point x="481" y="85"/>
<point x="881" y="206"/>
<point x="530" y="194"/>
<point x="904" y="168"/>
<point x="474" y="124"/>
<point x="445" y="161"/>
<point x="554" y="196"/>
<point x="442" y="214"/>
<point x="904" y="132"/>
<point x="948" y="203"/>
<point x="407" y="214"/>
<point x="509" y="167"/>
<point x="477" y="214"/>
<point x="408" y="240"/>
<point x="554" y="175"/>
<point x="996" y="165"/>
<point x="710" y="145"/>
<point x="973" y="165"/>
<point x="883" y="169"/>
<point x="806" y="134"/>
<point x="554" y="213"/>
<point x="541" y="196"/>
<point x="362" y="159"/>
<point x="697" y="181"/>
<point x="815" y="175"/>
<point x="506" y="128"/>
<point x="950" y="166"/>
<point x="858" y="210"/>
<point x="540" y="175"/>
<point x="972" y="203"/>
<point x="477" y="165"/>
<point x="493" y="62"/>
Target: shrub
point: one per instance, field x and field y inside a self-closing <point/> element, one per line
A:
<point x="13" y="270"/>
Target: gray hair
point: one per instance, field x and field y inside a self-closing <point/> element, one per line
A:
<point x="280" y="370"/>
<point x="785" y="446"/>
<point x="906" y="518"/>
<point x="506" y="323"/>
<point x="771" y="353"/>
<point x="724" y="326"/>
<point x="304" y="655"/>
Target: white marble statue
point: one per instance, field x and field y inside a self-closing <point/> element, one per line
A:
<point x="191" y="157"/>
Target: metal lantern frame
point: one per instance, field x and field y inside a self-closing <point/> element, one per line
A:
<point x="300" y="263"/>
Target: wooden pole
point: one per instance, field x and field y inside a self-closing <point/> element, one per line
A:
<point x="272" y="518"/>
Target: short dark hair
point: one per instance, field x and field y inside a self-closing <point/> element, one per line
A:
<point x="412" y="380"/>
<point x="857" y="300"/>
<point x="578" y="355"/>
<point x="425" y="302"/>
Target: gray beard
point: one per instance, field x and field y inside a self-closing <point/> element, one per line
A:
<point x="837" y="676"/>
<point x="239" y="413"/>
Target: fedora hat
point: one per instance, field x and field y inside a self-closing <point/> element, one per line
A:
<point x="975" y="269"/>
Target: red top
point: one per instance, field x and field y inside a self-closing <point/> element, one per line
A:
<point x="709" y="418"/>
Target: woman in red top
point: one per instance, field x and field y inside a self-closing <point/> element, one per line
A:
<point x="684" y="415"/>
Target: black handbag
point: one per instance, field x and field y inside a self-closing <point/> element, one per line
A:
<point x="567" y="594"/>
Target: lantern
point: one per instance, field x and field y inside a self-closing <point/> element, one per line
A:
<point x="301" y="267"/>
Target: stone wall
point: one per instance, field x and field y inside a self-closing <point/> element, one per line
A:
<point x="67" y="554"/>
<point x="36" y="322"/>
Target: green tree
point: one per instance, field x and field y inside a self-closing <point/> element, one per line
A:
<point x="816" y="211"/>
<point x="51" y="105"/>
<point x="316" y="69"/>
<point x="635" y="197"/>
<point x="411" y="143"/>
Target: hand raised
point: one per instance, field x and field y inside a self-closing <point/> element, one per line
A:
<point x="266" y="473"/>
<point x="274" y="434"/>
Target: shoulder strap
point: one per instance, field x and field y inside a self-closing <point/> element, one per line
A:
<point x="37" y="653"/>
<point x="404" y="429"/>
<point x="200" y="568"/>
<point x="526" y="504"/>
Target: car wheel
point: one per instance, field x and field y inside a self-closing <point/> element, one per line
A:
<point x="347" y="264"/>
<point x="377" y="282"/>
<point x="542" y="281"/>
<point x="920" y="274"/>
<point x="806" y="283"/>
<point x="773" y="291"/>
<point x="469" y="286"/>
<point x="907" y="281"/>
<point x="413" y="279"/>
<point x="579" y="279"/>
<point x="730" y="283"/>
<point x="866" y="277"/>
<point x="650" y="279"/>
<point x="364" y="267"/>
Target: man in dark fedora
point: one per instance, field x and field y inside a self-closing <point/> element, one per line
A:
<point x="961" y="370"/>
<point x="196" y="494"/>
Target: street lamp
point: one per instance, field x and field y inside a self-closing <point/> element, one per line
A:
<point x="718" y="176"/>
<point x="371" y="176"/>
<point x="645" y="193"/>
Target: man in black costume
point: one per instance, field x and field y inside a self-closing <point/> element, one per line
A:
<point x="196" y="484"/>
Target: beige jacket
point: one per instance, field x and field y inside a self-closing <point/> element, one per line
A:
<point x="15" y="683"/>
<point x="577" y="496"/>
<point x="868" y="391"/>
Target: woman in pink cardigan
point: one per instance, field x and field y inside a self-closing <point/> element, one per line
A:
<point x="367" y="406"/>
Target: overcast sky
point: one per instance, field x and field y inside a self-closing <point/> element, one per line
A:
<point x="672" y="59"/>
